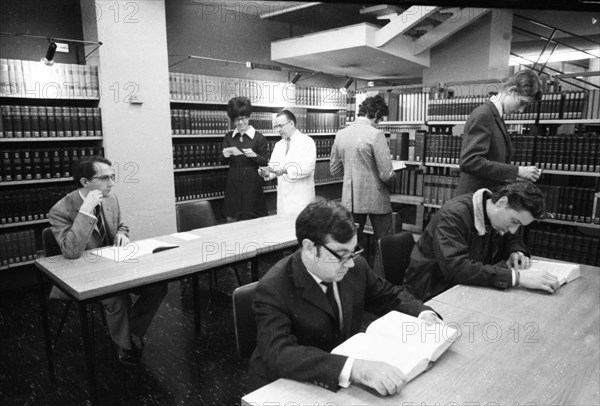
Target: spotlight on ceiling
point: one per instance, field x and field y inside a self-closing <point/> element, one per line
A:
<point x="344" y="89"/>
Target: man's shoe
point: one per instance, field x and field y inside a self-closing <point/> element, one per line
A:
<point x="129" y="357"/>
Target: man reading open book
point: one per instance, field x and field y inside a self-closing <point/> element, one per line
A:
<point x="314" y="299"/>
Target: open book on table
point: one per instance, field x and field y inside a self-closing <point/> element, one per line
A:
<point x="404" y="341"/>
<point x="564" y="271"/>
<point x="133" y="250"/>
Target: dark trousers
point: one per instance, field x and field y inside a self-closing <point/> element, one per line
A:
<point x="382" y="226"/>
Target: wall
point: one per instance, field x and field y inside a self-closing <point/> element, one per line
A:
<point x="133" y="62"/>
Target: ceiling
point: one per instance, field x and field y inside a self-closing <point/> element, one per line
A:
<point x="312" y="21"/>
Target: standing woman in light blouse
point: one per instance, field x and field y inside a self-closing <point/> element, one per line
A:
<point x="244" y="149"/>
<point x="486" y="148"/>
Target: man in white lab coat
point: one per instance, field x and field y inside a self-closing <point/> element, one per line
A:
<point x="293" y="163"/>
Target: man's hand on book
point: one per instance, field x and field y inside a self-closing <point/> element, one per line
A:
<point x="539" y="279"/>
<point x="384" y="378"/>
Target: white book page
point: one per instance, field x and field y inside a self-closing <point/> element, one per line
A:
<point x="186" y="236"/>
<point x="428" y="340"/>
<point x="565" y="272"/>
<point x="131" y="251"/>
<point x="377" y="348"/>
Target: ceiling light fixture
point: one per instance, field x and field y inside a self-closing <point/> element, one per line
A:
<point x="344" y="90"/>
<point x="296" y="78"/>
<point x="48" y="60"/>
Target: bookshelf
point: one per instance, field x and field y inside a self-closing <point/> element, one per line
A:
<point x="199" y="121"/>
<point x="49" y="118"/>
<point x="569" y="158"/>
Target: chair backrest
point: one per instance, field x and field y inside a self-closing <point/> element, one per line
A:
<point x="51" y="246"/>
<point x="195" y="215"/>
<point x="395" y="252"/>
<point x="244" y="319"/>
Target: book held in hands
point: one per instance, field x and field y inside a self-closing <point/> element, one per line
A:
<point x="564" y="271"/>
<point x="404" y="341"/>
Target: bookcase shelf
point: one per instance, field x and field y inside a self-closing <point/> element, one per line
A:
<point x="24" y="223"/>
<point x="49" y="119"/>
<point x="442" y="165"/>
<point x="202" y="168"/>
<point x="406" y="199"/>
<point x="571" y="173"/>
<point x="571" y="223"/>
<point x="571" y="121"/>
<point x="35" y="181"/>
<point x="50" y="139"/>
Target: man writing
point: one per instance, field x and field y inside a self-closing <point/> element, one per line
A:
<point x="90" y="217"/>
<point x="299" y="322"/>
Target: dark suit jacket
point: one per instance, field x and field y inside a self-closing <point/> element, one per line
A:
<point x="295" y="321"/>
<point x="486" y="152"/>
<point x="77" y="232"/>
<point x="360" y="152"/>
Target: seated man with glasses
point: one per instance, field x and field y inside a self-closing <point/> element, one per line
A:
<point x="90" y="217"/>
<point x="314" y="299"/>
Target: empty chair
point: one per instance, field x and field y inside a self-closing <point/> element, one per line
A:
<point x="244" y="319"/>
<point x="191" y="216"/>
<point x="395" y="252"/>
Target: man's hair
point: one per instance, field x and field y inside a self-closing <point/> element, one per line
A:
<point x="523" y="196"/>
<point x="325" y="217"/>
<point x="288" y="114"/>
<point x="86" y="168"/>
<point x="239" y="107"/>
<point x="373" y="107"/>
<point x="527" y="83"/>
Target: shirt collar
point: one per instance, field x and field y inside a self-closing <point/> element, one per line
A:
<point x="250" y="133"/>
<point x="496" y="101"/>
<point x="478" y="210"/>
<point x="292" y="136"/>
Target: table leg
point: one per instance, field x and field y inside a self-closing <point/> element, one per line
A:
<point x="254" y="269"/>
<point x="196" y="299"/>
<point x="46" y="327"/>
<point x="89" y="353"/>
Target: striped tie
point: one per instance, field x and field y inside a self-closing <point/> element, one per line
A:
<point x="100" y="224"/>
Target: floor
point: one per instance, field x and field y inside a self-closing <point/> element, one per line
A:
<point x="179" y="366"/>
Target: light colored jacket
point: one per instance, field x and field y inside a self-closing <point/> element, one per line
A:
<point x="360" y="152"/>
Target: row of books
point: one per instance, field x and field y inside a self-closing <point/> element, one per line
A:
<point x="195" y="122"/>
<point x="216" y="89"/>
<point x="212" y="184"/>
<point x="30" y="204"/>
<point x="568" y="152"/>
<point x="406" y="106"/>
<point x="17" y="247"/>
<point x="439" y="185"/>
<point x="48" y="121"/>
<point x="38" y="164"/>
<point x="351" y="106"/>
<point x="442" y="148"/>
<point x="33" y="79"/>
<point x="408" y="181"/>
<point x="569" y="203"/>
<point x="575" y="104"/>
<point x="563" y="245"/>
<point x="403" y="145"/>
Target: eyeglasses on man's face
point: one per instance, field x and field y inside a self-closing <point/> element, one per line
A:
<point x="343" y="258"/>
<point x="241" y="119"/>
<point x="105" y="178"/>
<point x="278" y="126"/>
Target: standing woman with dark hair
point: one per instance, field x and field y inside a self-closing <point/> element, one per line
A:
<point x="244" y="149"/>
<point x="486" y="148"/>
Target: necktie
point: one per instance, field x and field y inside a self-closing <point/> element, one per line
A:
<point x="332" y="301"/>
<point x="287" y="145"/>
<point x="100" y="224"/>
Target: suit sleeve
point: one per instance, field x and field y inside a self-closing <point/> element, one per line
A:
<point x="381" y="152"/>
<point x="451" y="250"/>
<point x="279" y="348"/>
<point x="72" y="236"/>
<point x="476" y="145"/>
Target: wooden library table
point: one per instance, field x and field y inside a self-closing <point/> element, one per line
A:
<point x="90" y="277"/>
<point x="516" y="347"/>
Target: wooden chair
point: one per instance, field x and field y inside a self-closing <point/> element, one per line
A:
<point x="395" y="250"/>
<point x="244" y="320"/>
<point x="51" y="248"/>
<point x="191" y="216"/>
